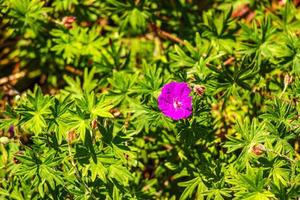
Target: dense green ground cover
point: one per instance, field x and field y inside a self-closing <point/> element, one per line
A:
<point x="87" y="110"/>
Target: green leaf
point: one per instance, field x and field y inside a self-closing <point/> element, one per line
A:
<point x="190" y="187"/>
<point x="34" y="111"/>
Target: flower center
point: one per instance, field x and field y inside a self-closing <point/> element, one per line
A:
<point x="177" y="104"/>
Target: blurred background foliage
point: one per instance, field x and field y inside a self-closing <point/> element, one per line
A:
<point x="79" y="81"/>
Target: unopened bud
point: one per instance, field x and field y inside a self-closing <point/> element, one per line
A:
<point x="94" y="124"/>
<point x="282" y="2"/>
<point x="115" y="112"/>
<point x="241" y="11"/>
<point x="71" y="136"/>
<point x="68" y="21"/>
<point x="288" y="79"/>
<point x="258" y="149"/>
<point x="199" y="90"/>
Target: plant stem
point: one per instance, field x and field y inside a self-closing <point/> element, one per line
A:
<point x="77" y="174"/>
<point x="281" y="155"/>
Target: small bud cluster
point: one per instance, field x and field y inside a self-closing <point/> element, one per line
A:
<point x="68" y="21"/>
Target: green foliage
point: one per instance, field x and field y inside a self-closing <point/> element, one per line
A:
<point x="85" y="41"/>
<point x="27" y="14"/>
<point x="79" y="89"/>
<point x="133" y="13"/>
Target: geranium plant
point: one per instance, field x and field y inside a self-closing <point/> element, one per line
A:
<point x="149" y="99"/>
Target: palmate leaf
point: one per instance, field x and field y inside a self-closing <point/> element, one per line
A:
<point x="98" y="170"/>
<point x="217" y="194"/>
<point x="152" y="80"/>
<point x="80" y="122"/>
<point x="281" y="119"/>
<point x="280" y="113"/>
<point x="231" y="81"/>
<point x="58" y="122"/>
<point x="250" y="186"/>
<point x="66" y="45"/>
<point x="134" y="15"/>
<point x="190" y="187"/>
<point x="77" y="42"/>
<point x="248" y="135"/>
<point x="28" y="13"/>
<point x="257" y="41"/>
<point x="119" y="173"/>
<point x="97" y="107"/>
<point x="137" y="154"/>
<point x="88" y="108"/>
<point x="217" y="25"/>
<point x="146" y="118"/>
<point x="89" y="82"/>
<point x="39" y="170"/>
<point x="101" y="109"/>
<point x="182" y="59"/>
<point x="76" y="87"/>
<point x="197" y="57"/>
<point x="92" y="43"/>
<point x="280" y="173"/>
<point x="253" y="133"/>
<point x="289" y="52"/>
<point x="285" y="17"/>
<point x="64" y="4"/>
<point x="218" y="29"/>
<point x="34" y="111"/>
<point x="11" y="118"/>
<point x="114" y="57"/>
<point x="123" y="87"/>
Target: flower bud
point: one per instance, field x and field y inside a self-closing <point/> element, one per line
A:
<point x="115" y="112"/>
<point x="68" y="21"/>
<point x="258" y="149"/>
<point x="71" y="136"/>
<point x="241" y="11"/>
<point x="94" y="124"/>
<point x="288" y="79"/>
<point x="199" y="90"/>
<point x="282" y="2"/>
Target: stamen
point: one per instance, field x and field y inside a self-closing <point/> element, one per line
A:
<point x="177" y="104"/>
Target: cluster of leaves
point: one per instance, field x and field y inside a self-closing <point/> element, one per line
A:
<point x="93" y="129"/>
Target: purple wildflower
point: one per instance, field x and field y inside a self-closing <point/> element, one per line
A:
<point x="175" y="101"/>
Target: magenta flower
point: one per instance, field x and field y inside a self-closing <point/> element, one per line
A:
<point x="175" y="101"/>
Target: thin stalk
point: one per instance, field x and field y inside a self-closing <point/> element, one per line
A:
<point x="77" y="174"/>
